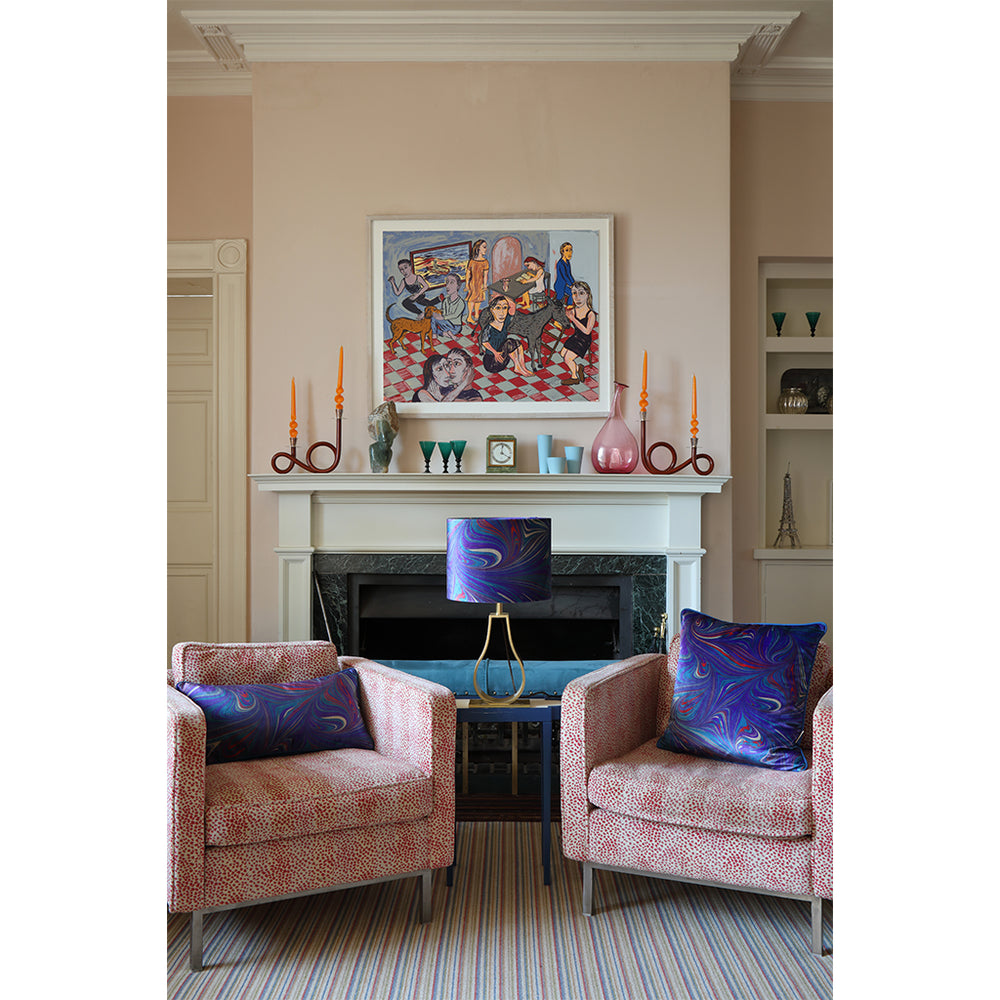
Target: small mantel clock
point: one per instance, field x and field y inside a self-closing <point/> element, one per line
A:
<point x="501" y="453"/>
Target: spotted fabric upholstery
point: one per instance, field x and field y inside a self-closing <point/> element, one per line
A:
<point x="252" y="662"/>
<point x="413" y="720"/>
<point x="280" y="867"/>
<point x="703" y="793"/>
<point x="624" y="841"/>
<point x="822" y="793"/>
<point x="186" y="799"/>
<point x="604" y="715"/>
<point x="248" y="830"/>
<point x="247" y="802"/>
<point x="626" y="803"/>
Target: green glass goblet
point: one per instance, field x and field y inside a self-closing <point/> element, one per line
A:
<point x="813" y="318"/>
<point x="427" y="447"/>
<point x="445" y="448"/>
<point x="458" y="447"/>
<point x="779" y="319"/>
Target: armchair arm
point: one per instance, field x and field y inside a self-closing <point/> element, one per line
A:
<point x="822" y="797"/>
<point x="413" y="719"/>
<point x="605" y="714"/>
<point x="186" y="802"/>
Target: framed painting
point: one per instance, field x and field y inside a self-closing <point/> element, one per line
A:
<point x="493" y="317"/>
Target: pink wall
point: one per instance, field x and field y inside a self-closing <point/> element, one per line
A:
<point x="782" y="192"/>
<point x="334" y="143"/>
<point x="209" y="168"/>
<point x="298" y="167"/>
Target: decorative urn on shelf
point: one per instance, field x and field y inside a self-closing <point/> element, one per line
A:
<point x="793" y="400"/>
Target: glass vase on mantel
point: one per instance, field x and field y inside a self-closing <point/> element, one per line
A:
<point x="615" y="448"/>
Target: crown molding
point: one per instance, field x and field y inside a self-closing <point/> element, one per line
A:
<point x="786" y="79"/>
<point x="235" y="39"/>
<point x="191" y="74"/>
<point x="488" y="35"/>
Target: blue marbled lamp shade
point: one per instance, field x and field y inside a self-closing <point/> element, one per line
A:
<point x="499" y="560"/>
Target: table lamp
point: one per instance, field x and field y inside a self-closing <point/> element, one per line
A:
<point x="499" y="560"/>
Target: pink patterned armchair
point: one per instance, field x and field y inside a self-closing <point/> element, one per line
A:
<point x="628" y="806"/>
<point x="249" y="831"/>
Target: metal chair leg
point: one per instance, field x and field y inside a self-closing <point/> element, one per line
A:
<point x="425" y="900"/>
<point x="588" y="889"/>
<point x="195" y="957"/>
<point x="817" y="925"/>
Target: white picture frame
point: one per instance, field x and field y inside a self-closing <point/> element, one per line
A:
<point x="415" y="264"/>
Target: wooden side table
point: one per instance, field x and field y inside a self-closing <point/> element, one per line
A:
<point x="530" y="710"/>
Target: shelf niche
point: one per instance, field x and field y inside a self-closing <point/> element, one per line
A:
<point x="795" y="584"/>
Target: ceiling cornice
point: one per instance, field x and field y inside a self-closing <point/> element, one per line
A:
<point x="196" y="74"/>
<point x="786" y="80"/>
<point x="489" y="35"/>
<point x="235" y="40"/>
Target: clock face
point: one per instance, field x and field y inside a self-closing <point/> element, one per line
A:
<point x="501" y="454"/>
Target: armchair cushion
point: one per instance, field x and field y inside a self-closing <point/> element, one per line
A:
<point x="250" y="721"/>
<point x="663" y="787"/>
<point x="253" y="801"/>
<point x="740" y="693"/>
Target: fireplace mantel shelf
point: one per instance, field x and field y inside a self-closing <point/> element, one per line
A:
<point x="407" y="512"/>
<point x="410" y="484"/>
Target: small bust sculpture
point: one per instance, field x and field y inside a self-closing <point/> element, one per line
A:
<point x="383" y="426"/>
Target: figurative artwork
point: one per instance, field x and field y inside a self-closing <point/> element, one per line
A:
<point x="492" y="317"/>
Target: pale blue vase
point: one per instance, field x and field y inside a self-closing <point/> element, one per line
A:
<point x="544" y="452"/>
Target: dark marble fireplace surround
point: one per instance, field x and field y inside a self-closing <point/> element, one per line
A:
<point x="333" y="573"/>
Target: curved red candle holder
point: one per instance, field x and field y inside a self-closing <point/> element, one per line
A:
<point x="696" y="456"/>
<point x="308" y="465"/>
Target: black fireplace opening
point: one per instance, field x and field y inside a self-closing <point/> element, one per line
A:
<point x="393" y="616"/>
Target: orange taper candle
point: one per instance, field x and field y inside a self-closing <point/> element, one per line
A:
<point x="292" y="425"/>
<point x="339" y="398"/>
<point x="694" y="406"/>
<point x="643" y="396"/>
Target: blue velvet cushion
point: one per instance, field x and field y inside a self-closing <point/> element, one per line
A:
<point x="740" y="692"/>
<point x="246" y="721"/>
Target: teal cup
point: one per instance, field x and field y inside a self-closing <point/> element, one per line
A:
<point x="557" y="464"/>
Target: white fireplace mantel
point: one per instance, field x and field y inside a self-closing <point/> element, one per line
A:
<point x="407" y="512"/>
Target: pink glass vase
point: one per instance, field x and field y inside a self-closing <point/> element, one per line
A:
<point x="615" y="448"/>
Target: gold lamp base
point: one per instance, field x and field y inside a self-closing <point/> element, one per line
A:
<point x="498" y="615"/>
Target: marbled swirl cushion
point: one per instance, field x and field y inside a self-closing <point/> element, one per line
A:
<point x="246" y="721"/>
<point x="740" y="693"/>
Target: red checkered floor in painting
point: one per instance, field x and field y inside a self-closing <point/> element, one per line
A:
<point x="403" y="368"/>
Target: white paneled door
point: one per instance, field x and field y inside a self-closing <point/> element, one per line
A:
<point x="206" y="442"/>
<point x="192" y="433"/>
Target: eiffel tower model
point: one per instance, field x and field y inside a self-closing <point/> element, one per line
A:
<point x="787" y="529"/>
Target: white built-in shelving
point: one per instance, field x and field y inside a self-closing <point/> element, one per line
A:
<point x="796" y="584"/>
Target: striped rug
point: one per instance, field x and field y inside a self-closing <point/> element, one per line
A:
<point x="498" y="933"/>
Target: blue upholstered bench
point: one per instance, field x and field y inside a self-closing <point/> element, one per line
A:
<point x="546" y="678"/>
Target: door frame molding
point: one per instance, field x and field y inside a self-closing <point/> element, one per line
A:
<point x="225" y="262"/>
